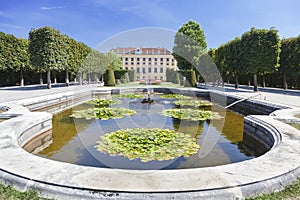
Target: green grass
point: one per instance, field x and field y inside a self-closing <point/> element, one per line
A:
<point x="290" y="192"/>
<point x="9" y="193"/>
<point x="163" y="84"/>
<point x="295" y="125"/>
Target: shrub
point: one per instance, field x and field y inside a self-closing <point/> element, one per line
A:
<point x="132" y="75"/>
<point x="190" y="78"/>
<point x="119" y="74"/>
<point x="109" y="78"/>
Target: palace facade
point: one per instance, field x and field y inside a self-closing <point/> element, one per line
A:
<point x="149" y="63"/>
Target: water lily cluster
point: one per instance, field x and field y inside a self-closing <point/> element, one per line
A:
<point x="148" y="144"/>
<point x="104" y="102"/>
<point x="191" y="114"/>
<point x="195" y="104"/>
<point x="103" y="113"/>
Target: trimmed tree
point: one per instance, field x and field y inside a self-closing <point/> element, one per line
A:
<point x="260" y="55"/>
<point x="189" y="45"/>
<point x="109" y="77"/>
<point x="14" y="55"/>
<point x="47" y="52"/>
<point x="114" y="63"/>
<point x="289" y="58"/>
<point x="132" y="75"/>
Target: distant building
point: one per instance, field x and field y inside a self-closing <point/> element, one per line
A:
<point x="149" y="63"/>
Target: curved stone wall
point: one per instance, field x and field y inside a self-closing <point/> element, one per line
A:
<point x="60" y="180"/>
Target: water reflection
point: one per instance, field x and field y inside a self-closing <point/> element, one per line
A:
<point x="219" y="140"/>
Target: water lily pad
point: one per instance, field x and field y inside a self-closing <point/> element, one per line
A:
<point x="148" y="144"/>
<point x="196" y="103"/>
<point x="103" y="113"/>
<point x="175" y="96"/>
<point x="104" y="102"/>
<point x="191" y="114"/>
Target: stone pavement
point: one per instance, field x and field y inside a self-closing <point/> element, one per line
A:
<point x="275" y="95"/>
<point x="17" y="93"/>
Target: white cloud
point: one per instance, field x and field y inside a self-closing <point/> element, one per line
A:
<point x="10" y="26"/>
<point x="51" y="7"/>
<point x="4" y="14"/>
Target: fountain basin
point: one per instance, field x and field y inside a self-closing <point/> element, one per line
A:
<point x="276" y="168"/>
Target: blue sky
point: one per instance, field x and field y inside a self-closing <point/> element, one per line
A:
<point x="93" y="21"/>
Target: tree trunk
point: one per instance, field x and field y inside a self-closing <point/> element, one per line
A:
<point x="263" y="82"/>
<point x="255" y="89"/>
<point x="49" y="79"/>
<point x="80" y="78"/>
<point x="41" y="79"/>
<point x="89" y="77"/>
<point x="21" y="78"/>
<point x="67" y="79"/>
<point x="236" y="85"/>
<point x="55" y="79"/>
<point x="285" y="86"/>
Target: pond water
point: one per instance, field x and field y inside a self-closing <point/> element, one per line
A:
<point x="74" y="140"/>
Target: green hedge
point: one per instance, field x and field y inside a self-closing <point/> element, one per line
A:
<point x="190" y="76"/>
<point x="132" y="75"/>
<point x="109" y="78"/>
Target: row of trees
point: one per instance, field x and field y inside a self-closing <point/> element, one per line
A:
<point x="14" y="56"/>
<point x="255" y="53"/>
<point x="259" y="53"/>
<point x="49" y="51"/>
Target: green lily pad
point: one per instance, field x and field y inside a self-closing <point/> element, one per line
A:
<point x="104" y="102"/>
<point x="148" y="144"/>
<point x="196" y="103"/>
<point x="191" y="114"/>
<point x="103" y="113"/>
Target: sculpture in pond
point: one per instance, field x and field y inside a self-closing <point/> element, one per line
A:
<point x="148" y="99"/>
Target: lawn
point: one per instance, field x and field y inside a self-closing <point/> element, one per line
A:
<point x="9" y="193"/>
<point x="290" y="192"/>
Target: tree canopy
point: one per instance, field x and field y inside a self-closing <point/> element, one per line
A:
<point x="189" y="45"/>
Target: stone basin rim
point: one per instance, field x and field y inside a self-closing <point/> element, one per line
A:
<point x="240" y="176"/>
